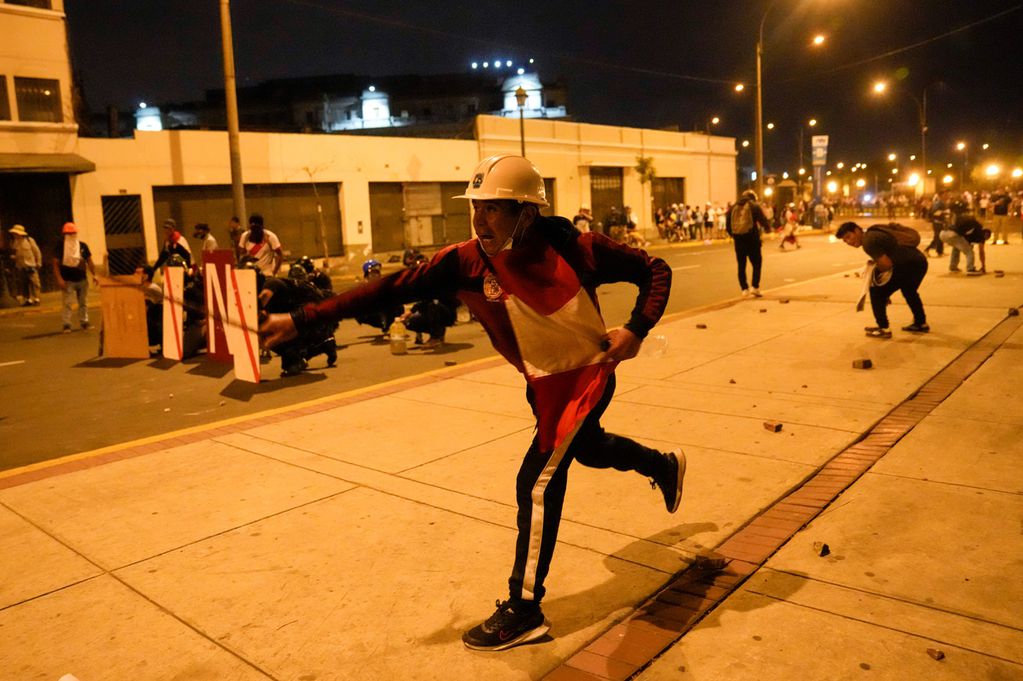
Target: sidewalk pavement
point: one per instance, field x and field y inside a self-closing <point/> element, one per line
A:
<point x="356" y="537"/>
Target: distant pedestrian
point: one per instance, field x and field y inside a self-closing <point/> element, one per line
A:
<point x="1000" y="201"/>
<point x="207" y="242"/>
<point x="743" y="224"/>
<point x="28" y="260"/>
<point x="174" y="243"/>
<point x="583" y="220"/>
<point x="790" y="228"/>
<point x="70" y="268"/>
<point x="263" y="245"/>
<point x="940" y="217"/>
<point x="895" y="267"/>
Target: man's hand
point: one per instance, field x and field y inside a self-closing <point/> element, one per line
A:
<point x="277" y="328"/>
<point x="884" y="263"/>
<point x="622" y="344"/>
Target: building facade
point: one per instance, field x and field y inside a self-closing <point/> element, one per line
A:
<point x="39" y="160"/>
<point x="340" y="196"/>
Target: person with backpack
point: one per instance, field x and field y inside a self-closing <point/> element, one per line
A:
<point x="531" y="281"/>
<point x="743" y="223"/>
<point x="898" y="265"/>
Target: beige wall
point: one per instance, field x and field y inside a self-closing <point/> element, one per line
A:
<point x="562" y="150"/>
<point x="33" y="44"/>
<point x="566" y="150"/>
<point x="135" y="166"/>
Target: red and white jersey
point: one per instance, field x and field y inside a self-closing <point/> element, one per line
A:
<point x="538" y="305"/>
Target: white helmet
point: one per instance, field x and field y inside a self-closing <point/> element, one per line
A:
<point x="506" y="177"/>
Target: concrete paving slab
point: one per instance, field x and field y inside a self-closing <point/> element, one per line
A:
<point x="753" y="637"/>
<point x="805" y="406"/>
<point x="609" y="511"/>
<point x="930" y="623"/>
<point x="414" y="432"/>
<point x="900" y="367"/>
<point x="951" y="547"/>
<point x="651" y="365"/>
<point x="954" y="450"/>
<point x="991" y="394"/>
<point x="477" y="487"/>
<point x="365" y="586"/>
<point x="474" y="396"/>
<point x="745" y="435"/>
<point x="101" y="629"/>
<point x="35" y="563"/>
<point x="163" y="500"/>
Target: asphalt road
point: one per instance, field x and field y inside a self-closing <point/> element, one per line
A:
<point x="57" y="397"/>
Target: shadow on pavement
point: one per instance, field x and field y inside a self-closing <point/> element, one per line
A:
<point x="209" y="368"/>
<point x="243" y="391"/>
<point x="107" y="363"/>
<point x="612" y="592"/>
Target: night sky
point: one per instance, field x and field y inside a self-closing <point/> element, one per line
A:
<point x="635" y="63"/>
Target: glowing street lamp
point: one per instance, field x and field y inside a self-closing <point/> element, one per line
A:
<point x="962" y="146"/>
<point x="759" y="108"/>
<point x="520" y="97"/>
<point x="880" y="87"/>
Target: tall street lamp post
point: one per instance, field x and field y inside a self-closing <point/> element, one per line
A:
<point x="921" y="110"/>
<point x="231" y="102"/>
<point x="961" y="146"/>
<point x="758" y="143"/>
<point x="520" y="97"/>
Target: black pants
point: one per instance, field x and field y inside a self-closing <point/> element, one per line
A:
<point x="747" y="246"/>
<point x="540" y="491"/>
<point x="906" y="277"/>
<point x="937" y="245"/>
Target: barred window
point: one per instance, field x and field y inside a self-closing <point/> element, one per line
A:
<point x="41" y="4"/>
<point x="38" y="100"/>
<point x="5" y="104"/>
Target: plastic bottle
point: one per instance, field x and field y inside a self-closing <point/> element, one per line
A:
<point x="396" y="334"/>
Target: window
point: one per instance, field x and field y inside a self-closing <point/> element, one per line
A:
<point x="38" y="100"/>
<point x="41" y="4"/>
<point x="5" y="104"/>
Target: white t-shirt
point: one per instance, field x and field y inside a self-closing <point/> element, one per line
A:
<point x="263" y="252"/>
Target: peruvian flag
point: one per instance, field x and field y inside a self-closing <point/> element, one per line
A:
<point x="559" y="332"/>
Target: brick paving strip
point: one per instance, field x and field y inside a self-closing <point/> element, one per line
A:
<point x="630" y="646"/>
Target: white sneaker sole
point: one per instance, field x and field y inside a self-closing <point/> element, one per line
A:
<point x="524" y="637"/>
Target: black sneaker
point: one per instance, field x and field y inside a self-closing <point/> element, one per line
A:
<point x="917" y="328"/>
<point x="670" y="479"/>
<point x="513" y="623"/>
<point x="877" y="332"/>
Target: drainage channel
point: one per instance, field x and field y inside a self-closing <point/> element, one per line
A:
<point x="630" y="646"/>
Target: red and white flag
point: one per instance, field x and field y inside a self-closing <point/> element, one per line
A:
<point x="559" y="333"/>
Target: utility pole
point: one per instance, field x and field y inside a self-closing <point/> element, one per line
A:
<point x="231" y="103"/>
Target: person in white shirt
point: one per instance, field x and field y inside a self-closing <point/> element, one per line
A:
<point x="207" y="242"/>
<point x="262" y="245"/>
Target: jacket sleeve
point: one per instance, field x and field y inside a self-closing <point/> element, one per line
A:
<point x="614" y="262"/>
<point x="437" y="278"/>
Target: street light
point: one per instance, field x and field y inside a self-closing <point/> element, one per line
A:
<point x="759" y="117"/>
<point x="921" y="106"/>
<point x="961" y="146"/>
<point x="520" y="97"/>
